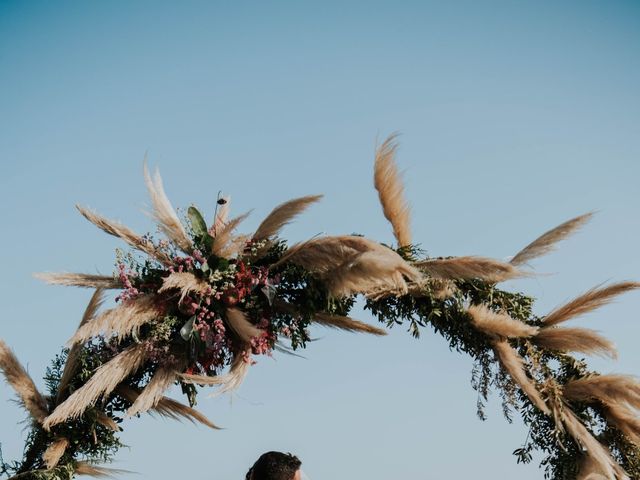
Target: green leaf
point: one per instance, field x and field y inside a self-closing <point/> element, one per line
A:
<point x="198" y="224"/>
<point x="187" y="328"/>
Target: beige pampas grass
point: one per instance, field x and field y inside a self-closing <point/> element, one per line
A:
<point x="624" y="419"/>
<point x="370" y="272"/>
<point x="281" y="215"/>
<point x="581" y="340"/>
<point x="102" y="383"/>
<point x="129" y="236"/>
<point x="71" y="364"/>
<point x="499" y="324"/>
<point x="603" y="463"/>
<point x="387" y="182"/>
<point x="154" y="391"/>
<point x="164" y="213"/>
<point x="514" y="365"/>
<point x="185" y="282"/>
<point x="227" y="382"/>
<point x="347" y="323"/>
<point x="590" y="470"/>
<point x="221" y="216"/>
<point x="604" y="388"/>
<point x="106" y="421"/>
<point x="320" y="255"/>
<point x="241" y="326"/>
<point x="468" y="268"/>
<point x="91" y="470"/>
<point x="121" y="321"/>
<point x="225" y="236"/>
<point x="54" y="452"/>
<point x="169" y="408"/>
<point x="547" y="241"/>
<point x="79" y="280"/>
<point x="594" y="298"/>
<point x="16" y="376"/>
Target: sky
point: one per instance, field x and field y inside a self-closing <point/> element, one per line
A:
<point x="513" y="117"/>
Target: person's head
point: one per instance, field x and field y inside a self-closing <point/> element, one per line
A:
<point x="275" y="466"/>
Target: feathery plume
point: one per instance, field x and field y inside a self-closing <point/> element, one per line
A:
<point x="16" y="376"/>
<point x="154" y="391"/>
<point x="79" y="280"/>
<point x="590" y="470"/>
<point x="387" y="182"/>
<point x="122" y="321"/>
<point x="347" y="323"/>
<point x="168" y="408"/>
<point x="499" y="324"/>
<point x="281" y="215"/>
<point x="241" y="326"/>
<point x="372" y="271"/>
<point x="225" y="235"/>
<point x="86" y="468"/>
<point x="514" y="365"/>
<point x="106" y="421"/>
<point x="221" y="216"/>
<point x="164" y="213"/>
<point x="129" y="236"/>
<point x="185" y="282"/>
<point x="322" y="254"/>
<point x="71" y="365"/>
<point x="599" y="454"/>
<point x="548" y="240"/>
<point x="54" y="452"/>
<point x="594" y="298"/>
<point x="102" y="383"/>
<point x="624" y="419"/>
<point x="229" y="381"/>
<point x="581" y="340"/>
<point x="469" y="268"/>
<point x="604" y="388"/>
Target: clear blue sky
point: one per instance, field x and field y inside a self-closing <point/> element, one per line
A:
<point x="515" y="116"/>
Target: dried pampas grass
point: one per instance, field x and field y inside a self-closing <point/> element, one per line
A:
<point x="282" y="215"/>
<point x="154" y="391"/>
<point x="79" y="280"/>
<point x="594" y="298"/>
<point x="602" y="462"/>
<point x="54" y="452"/>
<point x="227" y="382"/>
<point x="624" y="419"/>
<point x="581" y="340"/>
<point x="102" y="383"/>
<point x="106" y="421"/>
<point x="225" y="236"/>
<point x="16" y="376"/>
<point x="514" y="365"/>
<point x="185" y="282"/>
<point x="347" y="323"/>
<point x="387" y="182"/>
<point x="91" y="470"/>
<point x="241" y="326"/>
<point x="71" y="364"/>
<point x="164" y="213"/>
<point x="168" y="408"/>
<point x="370" y="272"/>
<point x="604" y="388"/>
<point x="129" y="236"/>
<point x="121" y="321"/>
<point x="547" y="241"/>
<point x="469" y="268"/>
<point x="499" y="324"/>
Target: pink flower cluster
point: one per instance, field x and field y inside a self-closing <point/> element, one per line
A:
<point x="125" y="275"/>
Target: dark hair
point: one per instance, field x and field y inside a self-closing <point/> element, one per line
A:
<point x="274" y="466"/>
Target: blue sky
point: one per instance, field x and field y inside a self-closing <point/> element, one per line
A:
<point x="514" y="116"/>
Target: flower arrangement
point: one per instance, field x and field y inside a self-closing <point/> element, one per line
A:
<point x="198" y="306"/>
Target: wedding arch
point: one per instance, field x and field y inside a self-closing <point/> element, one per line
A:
<point x="195" y="305"/>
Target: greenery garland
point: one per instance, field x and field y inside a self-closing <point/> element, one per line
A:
<point x="194" y="308"/>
